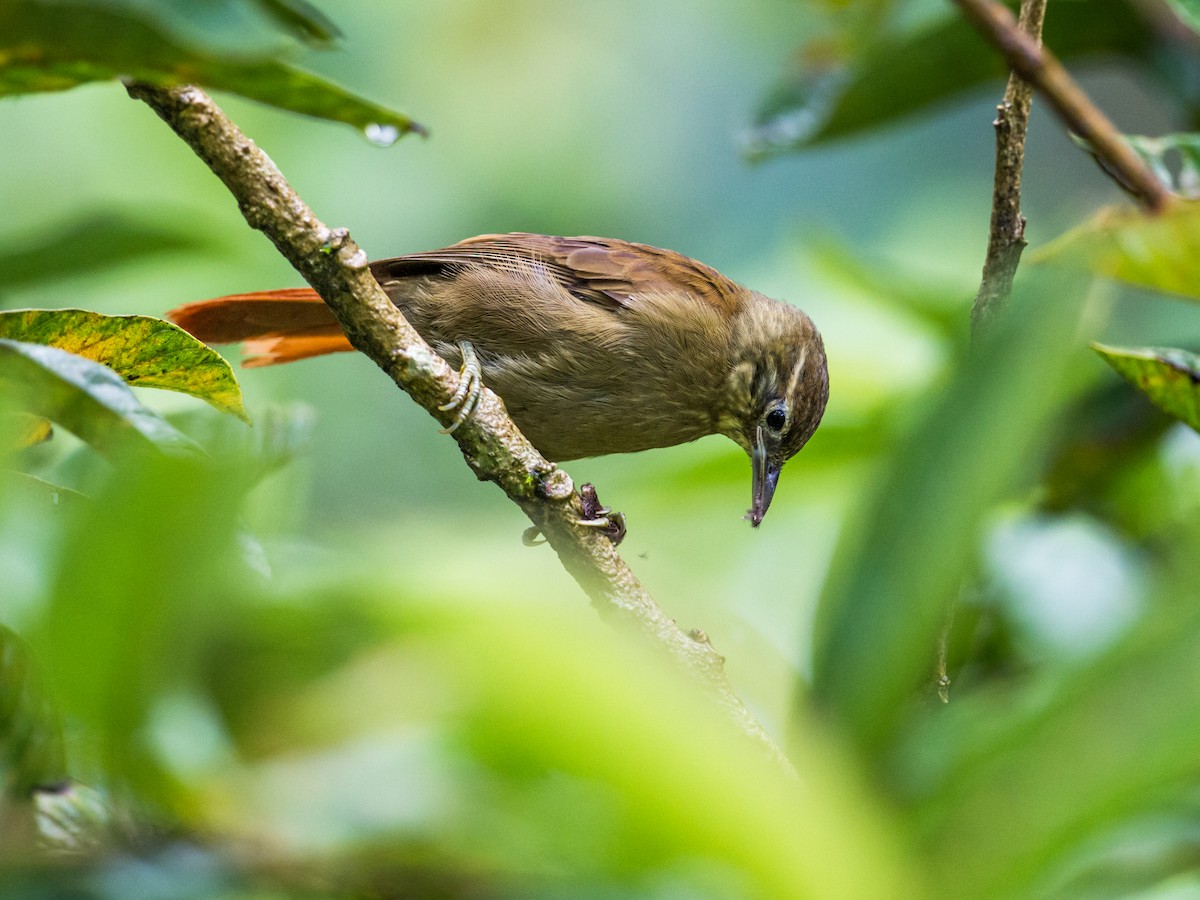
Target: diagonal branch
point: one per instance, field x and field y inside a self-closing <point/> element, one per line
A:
<point x="1043" y="70"/>
<point x="493" y="447"/>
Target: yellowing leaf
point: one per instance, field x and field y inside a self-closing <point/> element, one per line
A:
<point x="1161" y="252"/>
<point x="145" y="351"/>
<point x="21" y="430"/>
<point x="1170" y="378"/>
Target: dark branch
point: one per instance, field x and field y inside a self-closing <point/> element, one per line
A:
<point x="493" y="447"/>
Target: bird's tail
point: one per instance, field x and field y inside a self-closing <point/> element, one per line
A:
<point x="273" y="326"/>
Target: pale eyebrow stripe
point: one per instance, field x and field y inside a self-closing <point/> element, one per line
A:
<point x="797" y="371"/>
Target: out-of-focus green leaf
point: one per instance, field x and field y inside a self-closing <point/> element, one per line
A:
<point x="86" y="244"/>
<point x="38" y="488"/>
<point x="140" y="573"/>
<point x="1188" y="11"/>
<point x="1155" y="150"/>
<point x="52" y="46"/>
<point x="86" y="398"/>
<point x="1169" y="377"/>
<point x="898" y="569"/>
<point x="281" y="433"/>
<point x="145" y="351"/>
<point x="1107" y="430"/>
<point x="71" y="818"/>
<point x="302" y="18"/>
<point x="1147" y="855"/>
<point x="260" y="660"/>
<point x="868" y="79"/>
<point x="555" y="785"/>
<point x="31" y="744"/>
<point x="243" y="27"/>
<point x="640" y="735"/>
<point x="1161" y="252"/>
<point x="940" y="307"/>
<point x="1063" y="760"/>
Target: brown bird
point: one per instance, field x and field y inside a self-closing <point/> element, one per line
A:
<point x="595" y="345"/>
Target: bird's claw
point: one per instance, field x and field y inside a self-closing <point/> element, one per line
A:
<point x="470" y="388"/>
<point x="611" y="524"/>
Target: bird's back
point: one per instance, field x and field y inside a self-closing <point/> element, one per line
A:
<point x="596" y="346"/>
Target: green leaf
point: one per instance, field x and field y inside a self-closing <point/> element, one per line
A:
<point x="84" y="397"/>
<point x="1170" y="378"/>
<point x="896" y="573"/>
<point x="281" y="434"/>
<point x="88" y="243"/>
<point x="1155" y="150"/>
<point x="595" y="769"/>
<point x="139" y="575"/>
<point x="72" y="818"/>
<point x="31" y="744"/>
<point x="1188" y="12"/>
<point x="38" y="489"/>
<point x="874" y="76"/>
<point x="1063" y="759"/>
<point x="242" y="27"/>
<point x="1161" y="252"/>
<point x="938" y="306"/>
<point x="302" y="18"/>
<point x="145" y="351"/>
<point x="54" y="46"/>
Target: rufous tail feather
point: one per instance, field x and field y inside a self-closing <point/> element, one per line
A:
<point x="273" y="326"/>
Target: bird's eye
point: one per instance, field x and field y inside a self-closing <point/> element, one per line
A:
<point x="776" y="419"/>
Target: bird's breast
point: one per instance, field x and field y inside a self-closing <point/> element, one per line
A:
<point x="574" y="402"/>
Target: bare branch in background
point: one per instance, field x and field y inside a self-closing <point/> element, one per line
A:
<point x="1006" y="236"/>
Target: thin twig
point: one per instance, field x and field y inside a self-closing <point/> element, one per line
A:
<point x="942" y="679"/>
<point x="493" y="446"/>
<point x="1040" y="67"/>
<point x="1006" y="236"/>
<point x="1006" y="239"/>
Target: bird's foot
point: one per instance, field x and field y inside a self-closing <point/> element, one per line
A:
<point x="611" y="524"/>
<point x="470" y="388"/>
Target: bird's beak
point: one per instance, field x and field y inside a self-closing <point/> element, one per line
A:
<point x="766" y="477"/>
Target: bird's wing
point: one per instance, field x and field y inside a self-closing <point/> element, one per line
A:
<point x="610" y="273"/>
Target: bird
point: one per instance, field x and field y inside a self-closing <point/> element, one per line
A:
<point x="595" y="345"/>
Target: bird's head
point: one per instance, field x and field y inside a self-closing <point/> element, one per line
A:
<point x="775" y="393"/>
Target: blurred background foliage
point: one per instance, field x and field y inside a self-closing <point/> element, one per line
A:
<point x="317" y="661"/>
